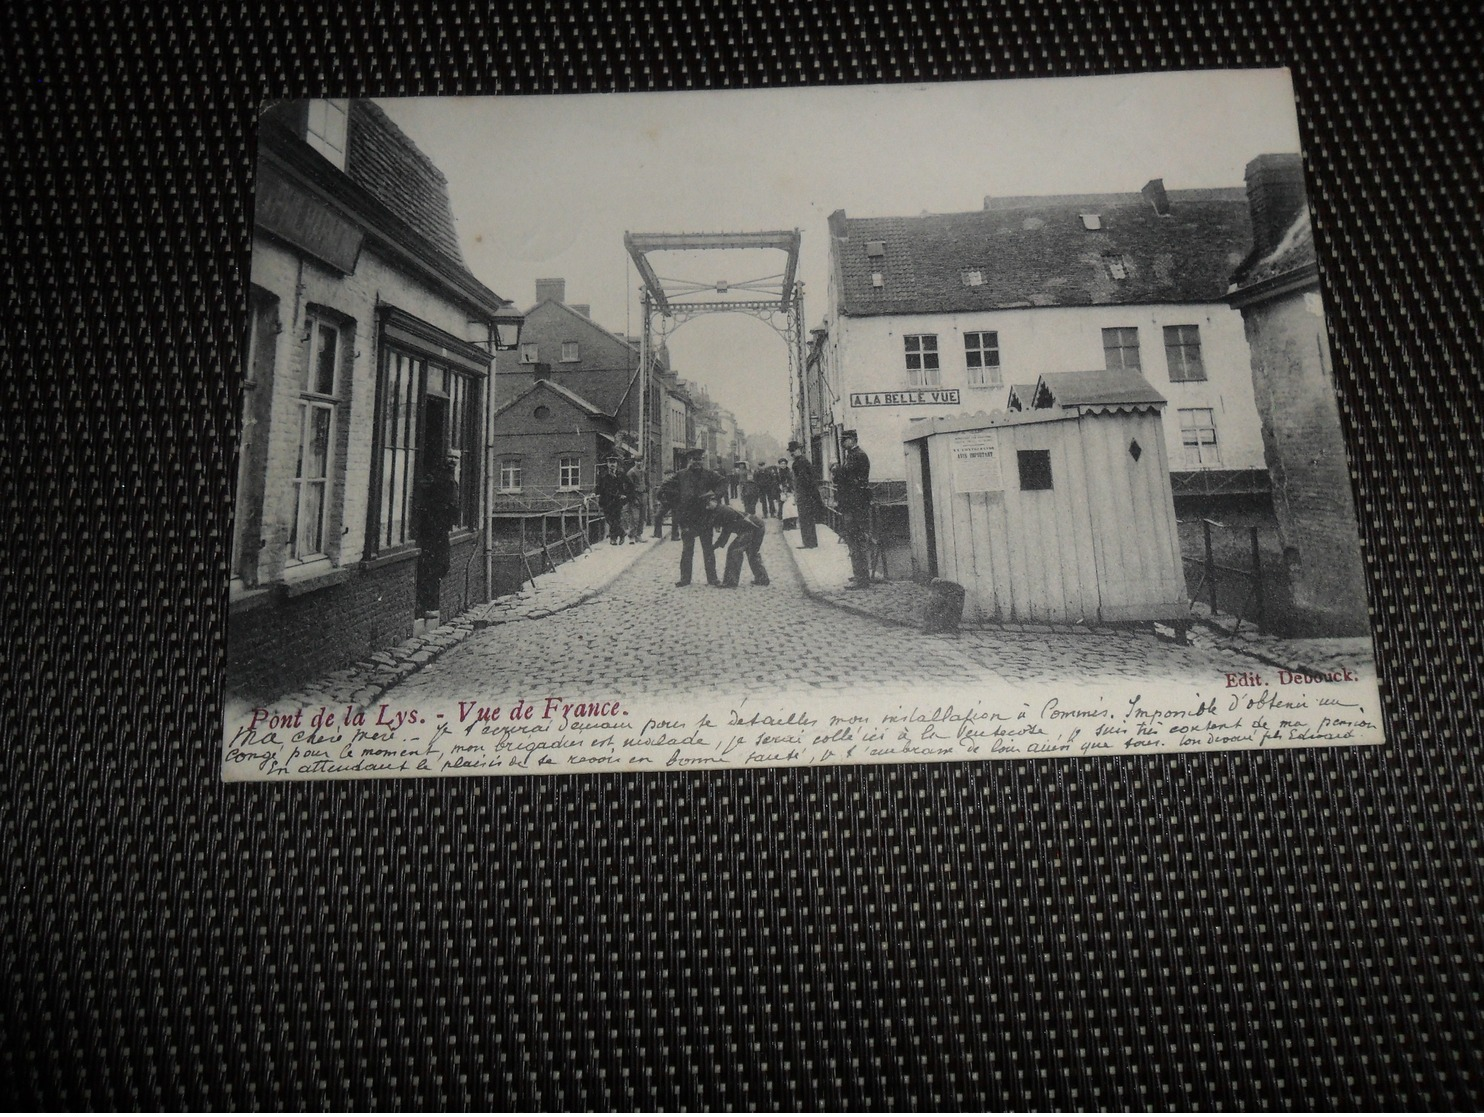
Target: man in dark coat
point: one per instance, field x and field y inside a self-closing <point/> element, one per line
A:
<point x="437" y="512"/>
<point x="612" y="491"/>
<point x="767" y="478"/>
<point x="751" y="493"/>
<point x="806" y="495"/>
<point x="692" y="485"/>
<point x="852" y="477"/>
<point x="746" y="532"/>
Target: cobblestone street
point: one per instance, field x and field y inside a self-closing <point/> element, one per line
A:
<point x="642" y="635"/>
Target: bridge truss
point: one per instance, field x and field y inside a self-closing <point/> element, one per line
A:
<point x="668" y="303"/>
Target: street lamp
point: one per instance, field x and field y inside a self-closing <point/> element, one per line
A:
<point x="507" y="322"/>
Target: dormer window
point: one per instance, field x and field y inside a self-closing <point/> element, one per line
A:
<point x="971" y="277"/>
<point x="1092" y="221"/>
<point x="1117" y="266"/>
<point x="875" y="249"/>
<point x="325" y="129"/>
<point x="877" y="279"/>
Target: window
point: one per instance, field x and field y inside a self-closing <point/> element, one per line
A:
<point x="1198" y="435"/>
<point x="318" y="403"/>
<point x="922" y="360"/>
<point x="971" y="277"/>
<point x="877" y="279"/>
<point x="1117" y="267"/>
<point x="1035" y="469"/>
<point x="529" y="353"/>
<point x="463" y="444"/>
<point x="1121" y="348"/>
<point x="982" y="357"/>
<point x="570" y="351"/>
<point x="569" y="472"/>
<point x="401" y="417"/>
<point x="252" y="460"/>
<point x="325" y="129"/>
<point x="1183" y="352"/>
<point x="510" y="475"/>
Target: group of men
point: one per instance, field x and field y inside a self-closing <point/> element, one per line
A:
<point x="695" y="499"/>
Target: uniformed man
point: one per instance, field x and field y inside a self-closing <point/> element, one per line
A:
<point x="746" y="532"/>
<point x="852" y="476"/>
<point x="692" y="485"/>
<point x="806" y="495"/>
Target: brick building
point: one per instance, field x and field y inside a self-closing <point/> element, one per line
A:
<point x="367" y="362"/>
<point x="1276" y="289"/>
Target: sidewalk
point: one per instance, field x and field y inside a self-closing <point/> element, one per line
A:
<point x="826" y="568"/>
<point x="572" y="583"/>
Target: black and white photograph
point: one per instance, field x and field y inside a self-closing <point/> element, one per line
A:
<point x="880" y="424"/>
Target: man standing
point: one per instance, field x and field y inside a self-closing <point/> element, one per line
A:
<point x="806" y="495"/>
<point x="767" y="478"/>
<point x="748" y="531"/>
<point x="612" y="493"/>
<point x="852" y="478"/>
<point x="691" y="488"/>
<point x="437" y="512"/>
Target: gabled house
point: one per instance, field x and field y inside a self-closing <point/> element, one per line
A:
<point x="562" y="345"/>
<point x="1276" y="290"/>
<point x="549" y="443"/>
<point x="367" y="364"/>
<point x="941" y="313"/>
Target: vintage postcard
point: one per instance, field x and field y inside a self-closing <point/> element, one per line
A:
<point x="675" y="431"/>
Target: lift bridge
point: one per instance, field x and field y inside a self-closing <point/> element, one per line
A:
<point x="669" y="303"/>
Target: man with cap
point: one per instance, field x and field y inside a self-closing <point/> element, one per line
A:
<point x="692" y="484"/>
<point x="806" y="495"/>
<point x="852" y="476"/>
<point x="746" y="532"/>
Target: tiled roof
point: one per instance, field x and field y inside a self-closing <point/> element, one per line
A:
<point x="1097" y="388"/>
<point x="546" y="386"/>
<point x="1293" y="252"/>
<point x="1038" y="252"/>
<point x="387" y="164"/>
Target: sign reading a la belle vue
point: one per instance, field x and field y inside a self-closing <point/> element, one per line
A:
<point x="896" y="399"/>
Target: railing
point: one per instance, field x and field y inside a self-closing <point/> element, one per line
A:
<point x="1252" y="604"/>
<point x="538" y="501"/>
<point x="575" y="517"/>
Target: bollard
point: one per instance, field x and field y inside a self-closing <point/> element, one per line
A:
<point x="945" y="607"/>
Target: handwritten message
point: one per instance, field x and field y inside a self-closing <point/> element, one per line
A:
<point x="560" y="734"/>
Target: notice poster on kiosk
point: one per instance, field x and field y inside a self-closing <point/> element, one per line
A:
<point x="534" y="478"/>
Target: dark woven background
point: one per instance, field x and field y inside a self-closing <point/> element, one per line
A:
<point x="1287" y="929"/>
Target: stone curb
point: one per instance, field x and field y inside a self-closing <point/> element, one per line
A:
<point x="1252" y="649"/>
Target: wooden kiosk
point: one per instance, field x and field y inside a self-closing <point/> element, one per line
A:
<point x="1061" y="512"/>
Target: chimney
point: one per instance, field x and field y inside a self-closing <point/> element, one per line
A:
<point x="584" y="309"/>
<point x="1154" y="193"/>
<point x="988" y="200"/>
<point x="1276" y="196"/>
<point x="555" y="289"/>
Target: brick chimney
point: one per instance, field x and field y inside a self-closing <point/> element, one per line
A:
<point x="1276" y="195"/>
<point x="1154" y="194"/>
<point x="584" y="309"/>
<point x="551" y="289"/>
